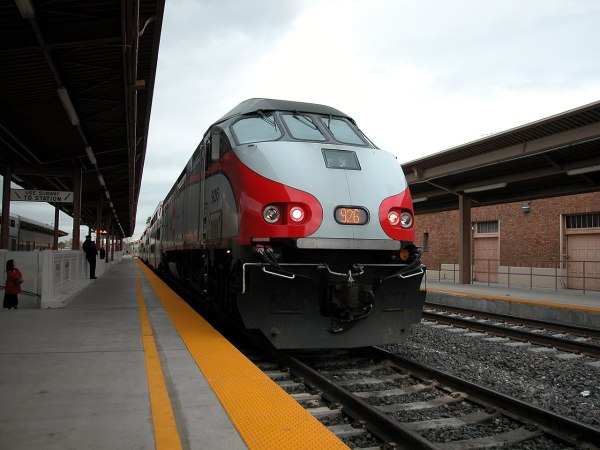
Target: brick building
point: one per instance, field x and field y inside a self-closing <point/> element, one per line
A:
<point x="553" y="242"/>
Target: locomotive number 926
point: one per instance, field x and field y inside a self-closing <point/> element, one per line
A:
<point x="288" y="219"/>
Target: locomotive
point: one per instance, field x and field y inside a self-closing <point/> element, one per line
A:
<point x="289" y="219"/>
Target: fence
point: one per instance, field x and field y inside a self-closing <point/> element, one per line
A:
<point x="52" y="278"/>
<point x="581" y="275"/>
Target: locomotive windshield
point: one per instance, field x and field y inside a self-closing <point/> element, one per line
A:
<point x="256" y="129"/>
<point x="296" y="126"/>
<point x="341" y="131"/>
<point x="302" y="127"/>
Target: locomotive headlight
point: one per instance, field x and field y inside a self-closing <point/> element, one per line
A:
<point x="271" y="214"/>
<point x="403" y="218"/>
<point x="406" y="219"/>
<point x="297" y="214"/>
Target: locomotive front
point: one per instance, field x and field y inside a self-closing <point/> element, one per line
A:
<point x="322" y="231"/>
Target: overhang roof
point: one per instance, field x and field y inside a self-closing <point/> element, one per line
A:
<point x="101" y="56"/>
<point x="559" y="155"/>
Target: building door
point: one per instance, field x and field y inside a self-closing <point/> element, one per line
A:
<point x="486" y="252"/>
<point x="583" y="264"/>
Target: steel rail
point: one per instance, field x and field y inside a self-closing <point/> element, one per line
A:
<point x="552" y="423"/>
<point x="555" y="326"/>
<point x="568" y="345"/>
<point x="378" y="423"/>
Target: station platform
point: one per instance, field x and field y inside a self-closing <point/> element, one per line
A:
<point x="127" y="364"/>
<point x="564" y="305"/>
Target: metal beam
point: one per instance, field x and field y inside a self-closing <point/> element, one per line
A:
<point x="522" y="150"/>
<point x="45" y="170"/>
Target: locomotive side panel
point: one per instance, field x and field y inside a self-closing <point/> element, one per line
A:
<point x="192" y="208"/>
<point x="222" y="217"/>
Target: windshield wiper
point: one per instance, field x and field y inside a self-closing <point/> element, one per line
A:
<point x="269" y="120"/>
<point x="304" y="120"/>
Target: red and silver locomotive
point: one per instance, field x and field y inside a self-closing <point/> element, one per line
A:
<point x="289" y="218"/>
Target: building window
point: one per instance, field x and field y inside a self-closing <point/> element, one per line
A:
<point x="591" y="220"/>
<point x="487" y="227"/>
<point x="425" y="242"/>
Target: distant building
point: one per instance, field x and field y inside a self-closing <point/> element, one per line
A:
<point x="27" y="234"/>
<point x="553" y="243"/>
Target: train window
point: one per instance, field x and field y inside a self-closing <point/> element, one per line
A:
<point x="256" y="129"/>
<point x="340" y="159"/>
<point x="341" y="131"/>
<point x="302" y="127"/>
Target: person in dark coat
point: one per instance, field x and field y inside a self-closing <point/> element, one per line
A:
<point x="12" y="288"/>
<point x="90" y="250"/>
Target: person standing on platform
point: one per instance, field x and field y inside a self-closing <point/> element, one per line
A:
<point x="90" y="250"/>
<point x="12" y="289"/>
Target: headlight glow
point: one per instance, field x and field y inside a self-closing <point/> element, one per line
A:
<point x="297" y="214"/>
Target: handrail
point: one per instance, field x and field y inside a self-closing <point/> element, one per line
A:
<point x="558" y="274"/>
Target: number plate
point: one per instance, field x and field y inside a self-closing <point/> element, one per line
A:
<point x="351" y="215"/>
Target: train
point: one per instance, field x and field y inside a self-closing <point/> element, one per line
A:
<point x="26" y="234"/>
<point x="290" y="220"/>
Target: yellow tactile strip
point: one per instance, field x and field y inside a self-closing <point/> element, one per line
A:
<point x="543" y="303"/>
<point x="265" y="416"/>
<point x="166" y="436"/>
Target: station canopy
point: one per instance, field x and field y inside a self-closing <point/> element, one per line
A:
<point x="559" y="155"/>
<point x="76" y="87"/>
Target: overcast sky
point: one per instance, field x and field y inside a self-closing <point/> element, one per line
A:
<point x="419" y="77"/>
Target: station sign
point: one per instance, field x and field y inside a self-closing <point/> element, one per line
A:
<point x="34" y="195"/>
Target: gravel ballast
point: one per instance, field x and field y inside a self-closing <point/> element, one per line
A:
<point x="548" y="378"/>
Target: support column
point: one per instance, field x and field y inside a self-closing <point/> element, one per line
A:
<point x="112" y="242"/>
<point x="98" y="223"/>
<point x="464" y="240"/>
<point x="76" y="207"/>
<point x="56" y="218"/>
<point x="6" y="206"/>
<point x="108" y="240"/>
<point x="105" y="243"/>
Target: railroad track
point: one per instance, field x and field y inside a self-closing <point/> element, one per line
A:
<point x="373" y="399"/>
<point x="584" y="340"/>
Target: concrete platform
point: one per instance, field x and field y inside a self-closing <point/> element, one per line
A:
<point x="84" y="376"/>
<point x="565" y="305"/>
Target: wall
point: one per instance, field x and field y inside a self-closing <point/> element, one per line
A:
<point x="52" y="278"/>
<point x="524" y="237"/>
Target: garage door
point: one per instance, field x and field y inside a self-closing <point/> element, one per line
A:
<point x="583" y="266"/>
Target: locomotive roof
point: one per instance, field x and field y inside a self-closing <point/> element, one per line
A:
<point x="266" y="104"/>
